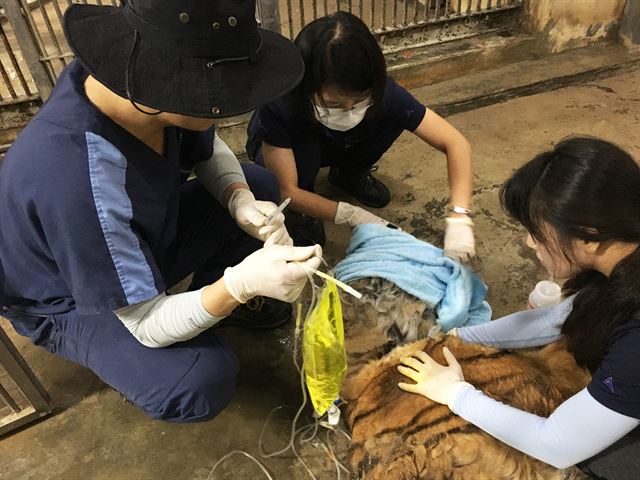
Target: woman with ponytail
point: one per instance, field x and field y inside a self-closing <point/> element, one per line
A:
<point x="580" y="204"/>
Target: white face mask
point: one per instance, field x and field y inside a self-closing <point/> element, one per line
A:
<point x="341" y="119"/>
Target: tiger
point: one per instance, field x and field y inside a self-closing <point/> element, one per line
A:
<point x="399" y="436"/>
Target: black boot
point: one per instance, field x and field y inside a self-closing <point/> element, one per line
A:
<point x="362" y="185"/>
<point x="304" y="230"/>
<point x="259" y="313"/>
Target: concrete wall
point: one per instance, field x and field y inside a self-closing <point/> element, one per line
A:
<point x="573" y="23"/>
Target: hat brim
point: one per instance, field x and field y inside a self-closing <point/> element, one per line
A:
<point x="102" y="40"/>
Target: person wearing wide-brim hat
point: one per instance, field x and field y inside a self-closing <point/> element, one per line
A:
<point x="98" y="219"/>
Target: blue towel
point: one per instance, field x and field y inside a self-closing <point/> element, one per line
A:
<point x="419" y="268"/>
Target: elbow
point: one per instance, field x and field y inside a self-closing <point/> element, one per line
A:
<point x="289" y="191"/>
<point x="146" y="340"/>
<point x="464" y="146"/>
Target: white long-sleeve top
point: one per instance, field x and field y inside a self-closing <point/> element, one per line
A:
<point x="579" y="428"/>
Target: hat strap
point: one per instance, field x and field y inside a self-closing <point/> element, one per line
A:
<point x="128" y="75"/>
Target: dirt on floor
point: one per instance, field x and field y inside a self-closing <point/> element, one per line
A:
<point x="95" y="434"/>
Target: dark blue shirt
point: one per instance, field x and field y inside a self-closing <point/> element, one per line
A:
<point x="616" y="384"/>
<point x="280" y="122"/>
<point x="87" y="211"/>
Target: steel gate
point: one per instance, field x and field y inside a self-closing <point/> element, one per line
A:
<point x="35" y="50"/>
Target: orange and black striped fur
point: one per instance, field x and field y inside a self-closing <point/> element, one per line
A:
<point x="398" y="435"/>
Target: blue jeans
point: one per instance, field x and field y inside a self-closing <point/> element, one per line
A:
<point x="185" y="382"/>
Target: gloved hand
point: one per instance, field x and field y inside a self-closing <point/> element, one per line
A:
<point x="436" y="382"/>
<point x="251" y="216"/>
<point x="458" y="239"/>
<point x="276" y="271"/>
<point x="352" y="215"/>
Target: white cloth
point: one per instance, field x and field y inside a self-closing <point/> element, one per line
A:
<point x="166" y="319"/>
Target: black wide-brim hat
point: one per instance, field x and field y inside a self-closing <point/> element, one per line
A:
<point x="201" y="58"/>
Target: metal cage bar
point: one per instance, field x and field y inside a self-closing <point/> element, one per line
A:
<point x="31" y="391"/>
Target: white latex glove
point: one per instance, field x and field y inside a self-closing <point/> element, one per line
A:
<point x="458" y="239"/>
<point x="251" y="216"/>
<point x="276" y="271"/>
<point x="352" y="215"/>
<point x="436" y="382"/>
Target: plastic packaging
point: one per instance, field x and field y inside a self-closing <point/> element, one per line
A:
<point x="323" y="350"/>
<point x="545" y="294"/>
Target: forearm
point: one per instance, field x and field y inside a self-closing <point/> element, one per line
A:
<point x="164" y="320"/>
<point x="222" y="173"/>
<point x="311" y="204"/>
<point x="577" y="430"/>
<point x="529" y="328"/>
<point x="459" y="169"/>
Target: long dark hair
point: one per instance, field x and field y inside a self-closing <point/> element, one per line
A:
<point x="586" y="189"/>
<point x="339" y="50"/>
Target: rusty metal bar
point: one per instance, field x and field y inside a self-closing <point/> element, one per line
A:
<point x="52" y="33"/>
<point x="469" y="6"/>
<point x="447" y="7"/>
<point x="10" y="402"/>
<point x="384" y="13"/>
<point x="7" y="81"/>
<point x="56" y="7"/>
<point x="437" y="14"/>
<point x="361" y="9"/>
<point x="488" y="5"/>
<point x="350" y="6"/>
<point x="372" y="15"/>
<point x="302" y="22"/>
<point x="394" y="17"/>
<point x="27" y="383"/>
<point x="314" y="4"/>
<point x="15" y="101"/>
<point x="443" y="19"/>
<point x="405" y="12"/>
<point x="270" y="15"/>
<point x="29" y="48"/>
<point x="14" y="62"/>
<point x="290" y="17"/>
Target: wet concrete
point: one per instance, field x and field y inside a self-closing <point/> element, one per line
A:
<point x="95" y="434"/>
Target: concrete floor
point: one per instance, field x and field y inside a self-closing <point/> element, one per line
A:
<point x="95" y="434"/>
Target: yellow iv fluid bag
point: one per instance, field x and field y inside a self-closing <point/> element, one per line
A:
<point x="323" y="350"/>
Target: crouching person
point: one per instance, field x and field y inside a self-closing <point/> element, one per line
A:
<point x="98" y="219"/>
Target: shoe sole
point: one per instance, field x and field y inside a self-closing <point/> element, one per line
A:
<point x="364" y="202"/>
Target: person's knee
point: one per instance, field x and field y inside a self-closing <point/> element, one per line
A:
<point x="203" y="392"/>
<point x="263" y="183"/>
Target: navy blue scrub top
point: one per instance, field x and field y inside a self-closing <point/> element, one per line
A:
<point x="280" y="123"/>
<point x="86" y="209"/>
<point x="616" y="383"/>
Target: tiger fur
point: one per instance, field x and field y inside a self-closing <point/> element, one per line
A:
<point x="400" y="436"/>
